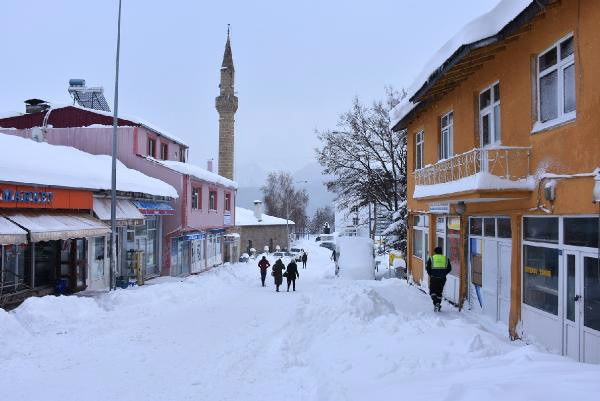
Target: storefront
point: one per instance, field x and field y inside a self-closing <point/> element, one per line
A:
<point x="561" y="284"/>
<point x="196" y="252"/>
<point x="13" y="242"/>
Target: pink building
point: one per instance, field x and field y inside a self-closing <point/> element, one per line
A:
<point x="194" y="236"/>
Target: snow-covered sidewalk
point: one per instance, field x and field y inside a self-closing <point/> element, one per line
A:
<point x="220" y="336"/>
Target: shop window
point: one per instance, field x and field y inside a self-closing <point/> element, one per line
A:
<point x="212" y="200"/>
<point x="581" y="231"/>
<point x="46" y="255"/>
<point x="541" y="229"/>
<point x="540" y="278"/>
<point x="489" y="227"/>
<point x="453" y="244"/>
<point x="418" y="243"/>
<point x="504" y="229"/>
<point x="164" y="151"/>
<point x="475" y="226"/>
<point x="151" y="147"/>
<point x="591" y="293"/>
<point x="556" y="82"/>
<point x="196" y="198"/>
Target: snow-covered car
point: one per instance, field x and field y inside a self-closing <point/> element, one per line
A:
<point x="244" y="258"/>
<point x="297" y="253"/>
<point x="355" y="258"/>
<point x="328" y="245"/>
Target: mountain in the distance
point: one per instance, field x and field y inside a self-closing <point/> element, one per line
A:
<point x="251" y="177"/>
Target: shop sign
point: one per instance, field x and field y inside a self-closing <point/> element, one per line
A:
<point x="39" y="197"/>
<point x="196" y="236"/>
<point x="454" y="223"/>
<point x="439" y="208"/>
<point x="538" y="271"/>
<point x="227" y="219"/>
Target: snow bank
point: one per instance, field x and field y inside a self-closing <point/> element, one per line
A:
<point x="30" y="162"/>
<point x="355" y="259"/>
<point x="483" y="27"/>
<point x="246" y="217"/>
<point x="195" y="171"/>
<point x="479" y="181"/>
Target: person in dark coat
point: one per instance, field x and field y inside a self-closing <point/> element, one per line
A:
<point x="264" y="266"/>
<point x="438" y="266"/>
<point x="304" y="259"/>
<point x="292" y="274"/>
<point x="277" y="273"/>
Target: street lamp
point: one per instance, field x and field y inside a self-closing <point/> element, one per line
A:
<point x="113" y="191"/>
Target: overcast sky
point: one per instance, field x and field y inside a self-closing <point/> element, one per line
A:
<point x="298" y="64"/>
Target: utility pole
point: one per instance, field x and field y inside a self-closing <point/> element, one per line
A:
<point x="113" y="192"/>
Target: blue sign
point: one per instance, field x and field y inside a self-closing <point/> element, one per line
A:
<point x="10" y="195"/>
<point x="195" y="236"/>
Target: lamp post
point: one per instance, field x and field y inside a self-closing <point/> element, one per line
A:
<point x="113" y="191"/>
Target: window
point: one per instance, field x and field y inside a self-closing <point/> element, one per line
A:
<point x="196" y="198"/>
<point x="420" y="236"/>
<point x="182" y="152"/>
<point x="418" y="243"/>
<point x="476" y="226"/>
<point x="447" y="136"/>
<point x="212" y="200"/>
<point x="556" y="82"/>
<point x="489" y="227"/>
<point x="504" y="229"/>
<point x="541" y="229"/>
<point x="581" y="231"/>
<point x="151" y="147"/>
<point x="489" y="116"/>
<point x="419" y="143"/>
<point x="228" y="202"/>
<point x="540" y="278"/>
<point x="164" y="151"/>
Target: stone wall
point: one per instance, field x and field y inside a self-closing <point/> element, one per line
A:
<point x="262" y="235"/>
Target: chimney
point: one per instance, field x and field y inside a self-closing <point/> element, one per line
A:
<point x="258" y="210"/>
<point x="209" y="165"/>
<point x="35" y="106"/>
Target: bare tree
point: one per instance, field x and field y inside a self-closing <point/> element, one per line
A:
<point x="367" y="158"/>
<point x="280" y="197"/>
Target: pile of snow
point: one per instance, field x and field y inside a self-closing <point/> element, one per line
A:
<point x="479" y="181"/>
<point x="246" y="217"/>
<point x="483" y="27"/>
<point x="355" y="259"/>
<point x="197" y="172"/>
<point x="29" y="162"/>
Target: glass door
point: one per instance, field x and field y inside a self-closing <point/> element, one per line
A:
<point x="581" y="340"/>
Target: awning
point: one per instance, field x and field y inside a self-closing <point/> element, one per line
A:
<point x="154" y="208"/>
<point x="127" y="213"/>
<point x="11" y="234"/>
<point x="55" y="226"/>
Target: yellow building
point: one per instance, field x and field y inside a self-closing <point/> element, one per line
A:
<point x="503" y="132"/>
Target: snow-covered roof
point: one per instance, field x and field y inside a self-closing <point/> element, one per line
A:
<point x="193" y="170"/>
<point x="482" y="27"/>
<point x="137" y="121"/>
<point x="245" y="217"/>
<point x="29" y="162"/>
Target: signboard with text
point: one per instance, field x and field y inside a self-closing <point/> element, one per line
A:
<point x="16" y="196"/>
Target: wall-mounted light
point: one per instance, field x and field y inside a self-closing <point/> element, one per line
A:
<point x="461" y="208"/>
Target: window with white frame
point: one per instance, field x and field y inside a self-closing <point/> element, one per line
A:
<point x="420" y="236"/>
<point x="419" y="144"/>
<point x="447" y="136"/>
<point x="556" y="82"/>
<point x="212" y="200"/>
<point x="489" y="116"/>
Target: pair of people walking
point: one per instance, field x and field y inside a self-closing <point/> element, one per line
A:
<point x="291" y="273"/>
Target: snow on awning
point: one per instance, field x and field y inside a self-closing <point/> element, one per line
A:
<point x="127" y="213"/>
<point x="57" y="226"/>
<point x="154" y="208"/>
<point x="10" y="233"/>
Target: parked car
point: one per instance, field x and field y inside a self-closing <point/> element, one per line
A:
<point x="297" y="254"/>
<point x="244" y="258"/>
<point x="355" y="258"/>
<point x="328" y="245"/>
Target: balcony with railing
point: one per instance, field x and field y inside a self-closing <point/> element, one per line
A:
<point x="481" y="169"/>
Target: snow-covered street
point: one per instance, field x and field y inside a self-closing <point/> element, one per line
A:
<point x="221" y="336"/>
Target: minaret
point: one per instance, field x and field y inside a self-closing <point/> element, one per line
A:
<point x="226" y="104"/>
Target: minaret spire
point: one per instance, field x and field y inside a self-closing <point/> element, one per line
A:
<point x="226" y="104"/>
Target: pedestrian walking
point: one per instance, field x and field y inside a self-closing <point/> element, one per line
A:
<point x="264" y="266"/>
<point x="304" y="259"/>
<point x="438" y="266"/>
<point x="292" y="273"/>
<point x="277" y="273"/>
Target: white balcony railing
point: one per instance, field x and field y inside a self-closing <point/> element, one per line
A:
<point x="510" y="163"/>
